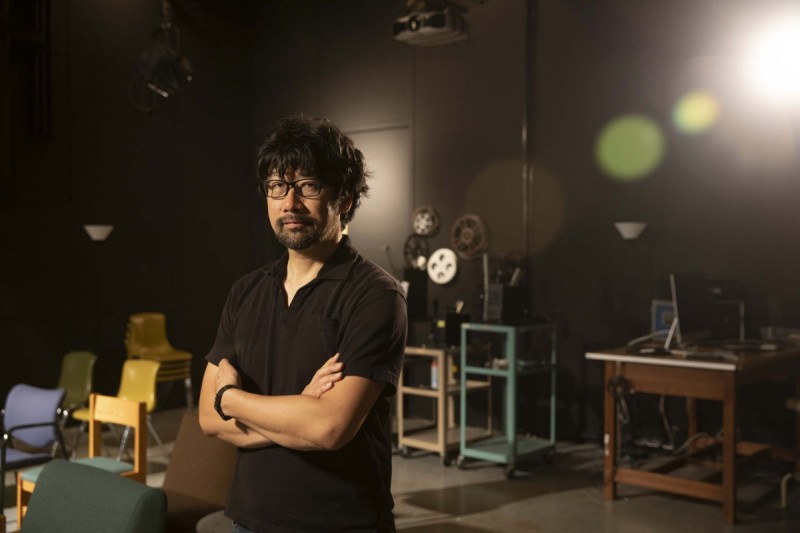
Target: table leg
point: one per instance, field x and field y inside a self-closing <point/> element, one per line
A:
<point x="797" y="425"/>
<point x="691" y="420"/>
<point x="729" y="449"/>
<point x="610" y="434"/>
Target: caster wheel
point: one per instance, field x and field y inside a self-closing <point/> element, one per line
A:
<point x="509" y="471"/>
<point x="461" y="462"/>
<point x="405" y="452"/>
<point x="447" y="460"/>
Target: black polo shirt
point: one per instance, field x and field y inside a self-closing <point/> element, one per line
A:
<point x="354" y="308"/>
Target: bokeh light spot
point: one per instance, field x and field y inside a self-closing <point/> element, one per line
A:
<point x="775" y="60"/>
<point x="629" y="147"/>
<point x="695" y="112"/>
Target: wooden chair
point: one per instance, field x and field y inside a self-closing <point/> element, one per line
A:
<point x="198" y="476"/>
<point x="137" y="383"/>
<point x="76" y="498"/>
<point x="103" y="410"/>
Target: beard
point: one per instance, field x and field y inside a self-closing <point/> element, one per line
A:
<point x="299" y="238"/>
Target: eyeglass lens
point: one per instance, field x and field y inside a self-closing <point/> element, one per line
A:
<point x="279" y="188"/>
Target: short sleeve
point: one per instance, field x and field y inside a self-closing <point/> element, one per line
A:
<point x="373" y="341"/>
<point x="224" y="345"/>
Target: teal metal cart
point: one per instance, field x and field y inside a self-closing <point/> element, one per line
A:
<point x="507" y="447"/>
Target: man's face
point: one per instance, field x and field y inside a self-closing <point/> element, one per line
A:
<point x="299" y="222"/>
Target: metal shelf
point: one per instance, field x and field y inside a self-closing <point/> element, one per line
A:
<point x="508" y="448"/>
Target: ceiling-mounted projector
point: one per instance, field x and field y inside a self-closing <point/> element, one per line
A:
<point x="431" y="27"/>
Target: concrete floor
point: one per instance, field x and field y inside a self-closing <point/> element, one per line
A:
<point x="565" y="496"/>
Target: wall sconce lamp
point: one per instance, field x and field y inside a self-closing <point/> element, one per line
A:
<point x="630" y="230"/>
<point x="98" y="232"/>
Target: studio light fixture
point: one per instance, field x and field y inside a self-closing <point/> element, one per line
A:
<point x="163" y="70"/>
<point x="432" y="22"/>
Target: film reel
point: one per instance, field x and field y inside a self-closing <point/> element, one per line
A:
<point x="442" y="266"/>
<point x="416" y="252"/>
<point x="425" y="221"/>
<point x="469" y="237"/>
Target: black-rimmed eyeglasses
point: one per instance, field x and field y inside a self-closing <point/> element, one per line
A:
<point x="278" y="189"/>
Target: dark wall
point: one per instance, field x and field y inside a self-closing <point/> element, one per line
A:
<point x="177" y="182"/>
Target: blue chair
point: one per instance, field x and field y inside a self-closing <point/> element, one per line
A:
<point x="30" y="416"/>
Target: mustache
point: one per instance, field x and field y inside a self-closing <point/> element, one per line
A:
<point x="294" y="219"/>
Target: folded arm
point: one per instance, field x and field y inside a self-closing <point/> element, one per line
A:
<point x="236" y="431"/>
<point x="303" y="422"/>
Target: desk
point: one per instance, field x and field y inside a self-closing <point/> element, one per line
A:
<point x="694" y="378"/>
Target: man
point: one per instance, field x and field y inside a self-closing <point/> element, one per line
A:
<point x="308" y="352"/>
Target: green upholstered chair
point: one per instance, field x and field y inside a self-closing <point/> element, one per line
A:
<point x="76" y="498"/>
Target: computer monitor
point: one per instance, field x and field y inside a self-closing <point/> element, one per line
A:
<point x="691" y="308"/>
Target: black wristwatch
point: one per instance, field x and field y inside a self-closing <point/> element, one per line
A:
<point x="218" y="401"/>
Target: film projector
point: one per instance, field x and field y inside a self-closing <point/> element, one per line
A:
<point x="469" y="237"/>
<point x="416" y="251"/>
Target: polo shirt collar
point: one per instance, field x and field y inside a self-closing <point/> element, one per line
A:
<point x="337" y="266"/>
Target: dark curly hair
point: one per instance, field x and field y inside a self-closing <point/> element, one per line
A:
<point x="315" y="147"/>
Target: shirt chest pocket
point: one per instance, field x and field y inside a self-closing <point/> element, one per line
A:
<point x="316" y="342"/>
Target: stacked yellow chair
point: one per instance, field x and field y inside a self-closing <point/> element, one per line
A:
<point x="146" y="338"/>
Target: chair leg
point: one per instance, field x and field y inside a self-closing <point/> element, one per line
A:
<point x="77" y="442"/>
<point x="62" y="423"/>
<point x="187" y="385"/>
<point x="156" y="437"/>
<point x="23" y="497"/>
<point x="151" y="430"/>
<point x="122" y="442"/>
<point x="784" y="483"/>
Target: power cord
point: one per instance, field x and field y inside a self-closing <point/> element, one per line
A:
<point x="621" y="387"/>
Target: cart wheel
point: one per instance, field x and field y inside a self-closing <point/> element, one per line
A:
<point x="509" y="471"/>
<point x="461" y="462"/>
<point x="405" y="452"/>
<point x="447" y="460"/>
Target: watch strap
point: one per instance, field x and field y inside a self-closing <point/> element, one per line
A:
<point x="218" y="401"/>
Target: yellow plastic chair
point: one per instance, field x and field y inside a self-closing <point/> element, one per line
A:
<point x="146" y="338"/>
<point x="138" y="384"/>
<point x="102" y="410"/>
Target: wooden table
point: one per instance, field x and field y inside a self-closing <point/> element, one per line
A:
<point x="692" y="378"/>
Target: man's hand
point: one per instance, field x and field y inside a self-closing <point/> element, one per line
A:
<point x="325" y="377"/>
<point x="226" y="375"/>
